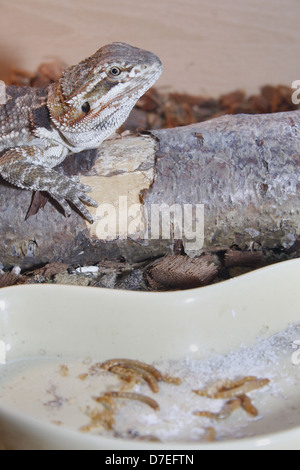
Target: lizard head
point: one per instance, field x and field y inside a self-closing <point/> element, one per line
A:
<point x="94" y="98"/>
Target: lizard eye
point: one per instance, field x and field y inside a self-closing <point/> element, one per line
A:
<point x="114" y="71"/>
<point x="85" y="108"/>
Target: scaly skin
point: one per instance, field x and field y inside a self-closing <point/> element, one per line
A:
<point x="40" y="127"/>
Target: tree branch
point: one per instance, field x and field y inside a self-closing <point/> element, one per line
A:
<point x="243" y="170"/>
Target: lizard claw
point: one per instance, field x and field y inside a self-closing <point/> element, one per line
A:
<point x="78" y="204"/>
<point x="74" y="193"/>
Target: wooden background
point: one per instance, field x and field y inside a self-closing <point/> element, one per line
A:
<point x="207" y="46"/>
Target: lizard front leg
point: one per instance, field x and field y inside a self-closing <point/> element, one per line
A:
<point x="18" y="168"/>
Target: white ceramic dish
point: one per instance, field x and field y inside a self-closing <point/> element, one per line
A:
<point x="80" y="322"/>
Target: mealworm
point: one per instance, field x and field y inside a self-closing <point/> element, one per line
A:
<point x="135" y="396"/>
<point x="248" y="406"/>
<point x="136" y="373"/>
<point x="228" y="388"/>
<point x="242" y="389"/>
<point x="131" y="363"/>
<point x="224" y="413"/>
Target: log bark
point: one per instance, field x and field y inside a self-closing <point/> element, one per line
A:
<point x="241" y="172"/>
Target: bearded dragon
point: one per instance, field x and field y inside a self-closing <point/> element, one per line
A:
<point x="40" y="127"/>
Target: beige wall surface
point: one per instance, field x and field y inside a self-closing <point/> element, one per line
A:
<point x="207" y="46"/>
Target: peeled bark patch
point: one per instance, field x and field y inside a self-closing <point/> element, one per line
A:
<point x="124" y="167"/>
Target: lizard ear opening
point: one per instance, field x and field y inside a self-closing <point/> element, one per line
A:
<point x="85" y="108"/>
